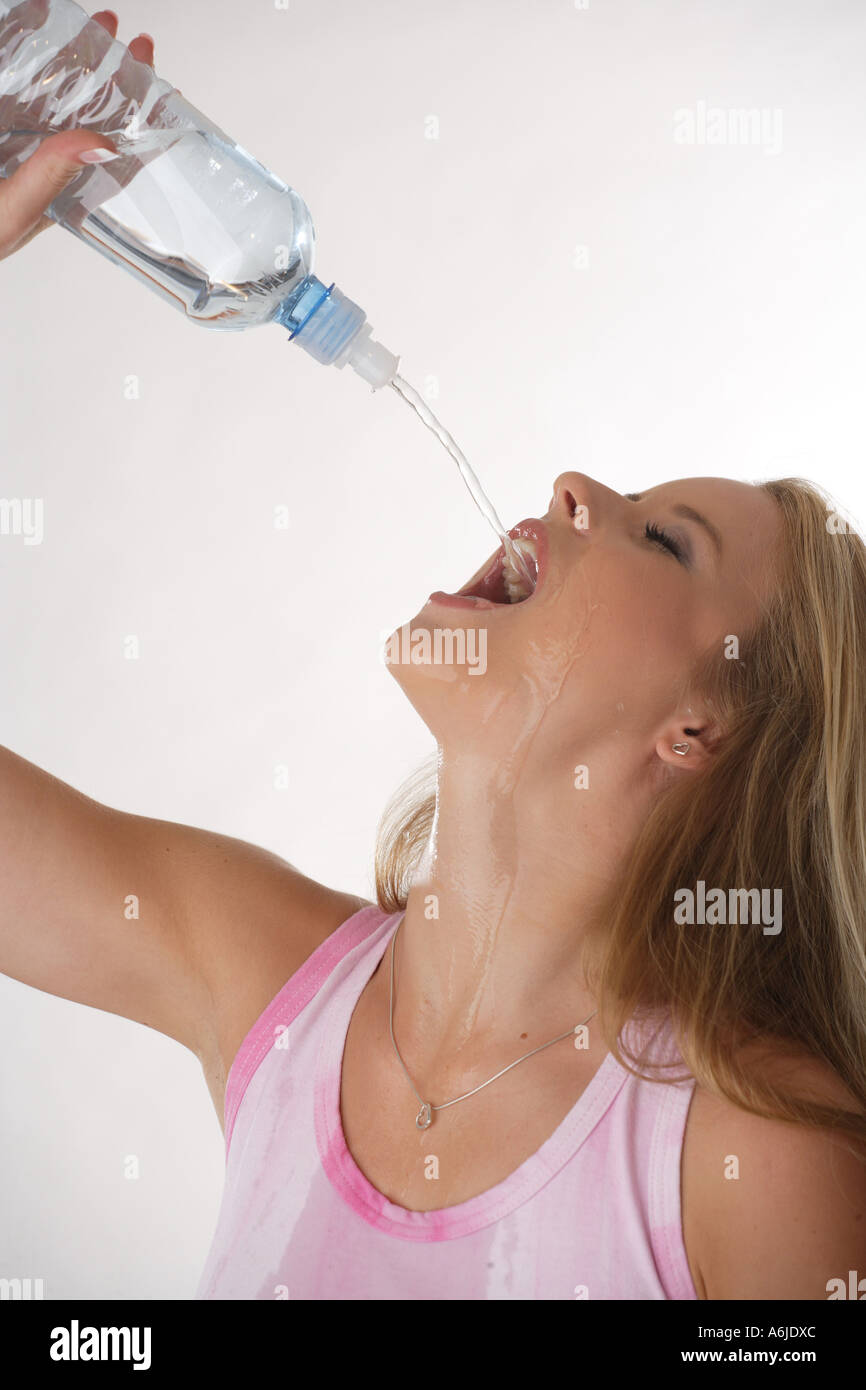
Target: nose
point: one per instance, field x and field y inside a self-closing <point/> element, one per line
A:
<point x="574" y="499"/>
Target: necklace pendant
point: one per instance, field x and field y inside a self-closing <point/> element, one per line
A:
<point x="424" y="1118"/>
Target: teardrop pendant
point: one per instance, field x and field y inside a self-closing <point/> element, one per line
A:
<point x="424" y="1118"/>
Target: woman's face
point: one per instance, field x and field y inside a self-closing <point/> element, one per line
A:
<point x="605" y="643"/>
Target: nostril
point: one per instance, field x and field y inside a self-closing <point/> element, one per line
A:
<point x="571" y="502"/>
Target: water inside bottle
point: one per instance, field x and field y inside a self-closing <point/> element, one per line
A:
<point x="467" y="473"/>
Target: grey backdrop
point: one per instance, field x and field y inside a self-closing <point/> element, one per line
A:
<point x="522" y="195"/>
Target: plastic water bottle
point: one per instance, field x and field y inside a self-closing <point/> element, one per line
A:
<point x="184" y="208"/>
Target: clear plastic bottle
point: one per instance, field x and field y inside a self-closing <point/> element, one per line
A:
<point x="184" y="208"/>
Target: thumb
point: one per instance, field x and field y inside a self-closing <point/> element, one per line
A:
<point x="37" y="182"/>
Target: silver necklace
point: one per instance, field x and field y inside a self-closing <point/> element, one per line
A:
<point x="424" y="1118"/>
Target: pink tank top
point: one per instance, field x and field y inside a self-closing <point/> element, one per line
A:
<point x="594" y="1213"/>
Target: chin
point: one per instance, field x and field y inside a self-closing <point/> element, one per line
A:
<point x="469" y="688"/>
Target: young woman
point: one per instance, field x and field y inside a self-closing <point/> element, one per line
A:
<point x="524" y="1072"/>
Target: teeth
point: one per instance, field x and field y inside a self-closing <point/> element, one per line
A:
<point x="516" y="587"/>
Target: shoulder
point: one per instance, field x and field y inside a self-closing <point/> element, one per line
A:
<point x="248" y="920"/>
<point x="773" y="1209"/>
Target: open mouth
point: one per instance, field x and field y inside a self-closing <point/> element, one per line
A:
<point x="501" y="583"/>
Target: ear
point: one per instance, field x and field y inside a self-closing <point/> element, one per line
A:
<point x="694" y="738"/>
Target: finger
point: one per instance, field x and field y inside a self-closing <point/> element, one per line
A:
<point x="25" y="196"/>
<point x="108" y="20"/>
<point x="142" y="49"/>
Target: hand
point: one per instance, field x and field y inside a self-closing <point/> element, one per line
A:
<point x="37" y="182"/>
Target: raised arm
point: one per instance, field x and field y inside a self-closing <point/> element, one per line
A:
<point x="186" y="931"/>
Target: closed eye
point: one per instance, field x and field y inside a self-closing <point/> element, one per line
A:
<point x="659" y="536"/>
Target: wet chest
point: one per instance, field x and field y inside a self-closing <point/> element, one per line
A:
<point x="469" y="1147"/>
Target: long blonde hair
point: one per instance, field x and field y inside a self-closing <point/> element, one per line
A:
<point x="782" y="806"/>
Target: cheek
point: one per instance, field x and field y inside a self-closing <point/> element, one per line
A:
<point x="627" y="618"/>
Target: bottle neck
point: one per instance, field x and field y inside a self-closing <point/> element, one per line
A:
<point x="320" y="318"/>
<point x="334" y="330"/>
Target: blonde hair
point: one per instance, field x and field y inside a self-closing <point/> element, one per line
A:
<point x="782" y="806"/>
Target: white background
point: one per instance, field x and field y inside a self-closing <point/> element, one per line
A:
<point x="712" y="324"/>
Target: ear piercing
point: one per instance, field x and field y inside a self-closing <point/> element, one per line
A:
<point x="682" y="748"/>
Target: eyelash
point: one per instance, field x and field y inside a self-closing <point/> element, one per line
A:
<point x="659" y="536"/>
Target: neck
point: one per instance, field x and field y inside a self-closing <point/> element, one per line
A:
<point x="492" y="949"/>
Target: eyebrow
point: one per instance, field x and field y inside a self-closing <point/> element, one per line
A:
<point x="681" y="509"/>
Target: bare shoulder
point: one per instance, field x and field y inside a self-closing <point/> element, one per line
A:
<point x="249" y="921"/>
<point x="773" y="1209"/>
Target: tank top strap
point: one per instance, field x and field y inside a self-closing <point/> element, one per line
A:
<point x="294" y="995"/>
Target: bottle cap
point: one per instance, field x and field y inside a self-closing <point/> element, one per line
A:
<point x="334" y="329"/>
<point x="370" y="359"/>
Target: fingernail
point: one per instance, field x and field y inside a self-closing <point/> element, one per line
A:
<point x="97" y="156"/>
